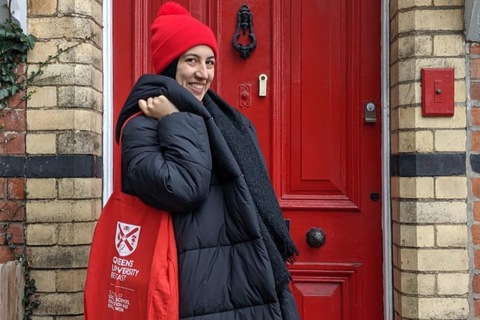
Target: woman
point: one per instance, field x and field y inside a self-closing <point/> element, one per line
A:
<point x="193" y="155"/>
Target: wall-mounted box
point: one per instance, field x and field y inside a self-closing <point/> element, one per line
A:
<point x="438" y="92"/>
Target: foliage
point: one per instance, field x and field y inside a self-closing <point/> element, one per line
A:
<point x="14" y="45"/>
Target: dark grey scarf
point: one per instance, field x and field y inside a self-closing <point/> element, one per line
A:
<point x="273" y="228"/>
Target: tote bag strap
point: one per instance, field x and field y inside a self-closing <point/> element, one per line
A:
<point x="119" y="186"/>
<point x="124" y="124"/>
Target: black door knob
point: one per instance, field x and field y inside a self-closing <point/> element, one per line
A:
<point x="316" y="237"/>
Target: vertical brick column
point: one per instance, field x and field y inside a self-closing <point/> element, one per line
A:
<point x="429" y="184"/>
<point x="63" y="145"/>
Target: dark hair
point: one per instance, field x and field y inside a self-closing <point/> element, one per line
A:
<point x="171" y="70"/>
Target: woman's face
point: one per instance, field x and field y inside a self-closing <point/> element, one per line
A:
<point x="196" y="69"/>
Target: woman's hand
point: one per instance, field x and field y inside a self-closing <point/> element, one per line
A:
<point x="157" y="107"/>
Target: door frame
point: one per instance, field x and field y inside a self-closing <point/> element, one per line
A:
<point x="385" y="155"/>
<point x="108" y="124"/>
<point x="108" y="138"/>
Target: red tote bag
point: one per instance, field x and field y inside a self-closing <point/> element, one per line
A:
<point x="132" y="271"/>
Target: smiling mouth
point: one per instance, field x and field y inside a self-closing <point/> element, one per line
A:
<point x="198" y="88"/>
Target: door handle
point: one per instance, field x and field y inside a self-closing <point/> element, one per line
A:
<point x="316" y="237"/>
<point x="245" y="28"/>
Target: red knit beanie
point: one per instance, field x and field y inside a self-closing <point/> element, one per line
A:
<point x="174" y="31"/>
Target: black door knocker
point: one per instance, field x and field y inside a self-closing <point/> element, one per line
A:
<point x="244" y="22"/>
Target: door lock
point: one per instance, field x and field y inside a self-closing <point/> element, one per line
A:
<point x="262" y="85"/>
<point x="370" y="112"/>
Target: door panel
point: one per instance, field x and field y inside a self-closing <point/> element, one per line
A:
<point x="324" y="114"/>
<point x="322" y="60"/>
<point x="331" y="156"/>
<point x="326" y="292"/>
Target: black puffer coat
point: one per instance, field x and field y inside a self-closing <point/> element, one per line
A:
<point x="182" y="164"/>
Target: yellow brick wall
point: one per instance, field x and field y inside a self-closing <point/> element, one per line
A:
<point x="64" y="121"/>
<point x="429" y="211"/>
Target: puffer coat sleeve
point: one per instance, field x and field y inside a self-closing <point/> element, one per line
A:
<point x="167" y="163"/>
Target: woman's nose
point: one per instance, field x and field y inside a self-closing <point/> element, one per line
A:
<point x="202" y="71"/>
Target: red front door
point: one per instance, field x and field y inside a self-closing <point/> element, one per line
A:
<point x="321" y="64"/>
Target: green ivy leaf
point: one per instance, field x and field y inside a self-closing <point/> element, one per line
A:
<point x="30" y="40"/>
<point x="7" y="33"/>
<point x="3" y="93"/>
<point x="13" y="90"/>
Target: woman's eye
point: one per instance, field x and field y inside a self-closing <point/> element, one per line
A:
<point x="210" y="63"/>
<point x="191" y="61"/>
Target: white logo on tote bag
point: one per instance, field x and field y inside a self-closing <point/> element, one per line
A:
<point x="126" y="238"/>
